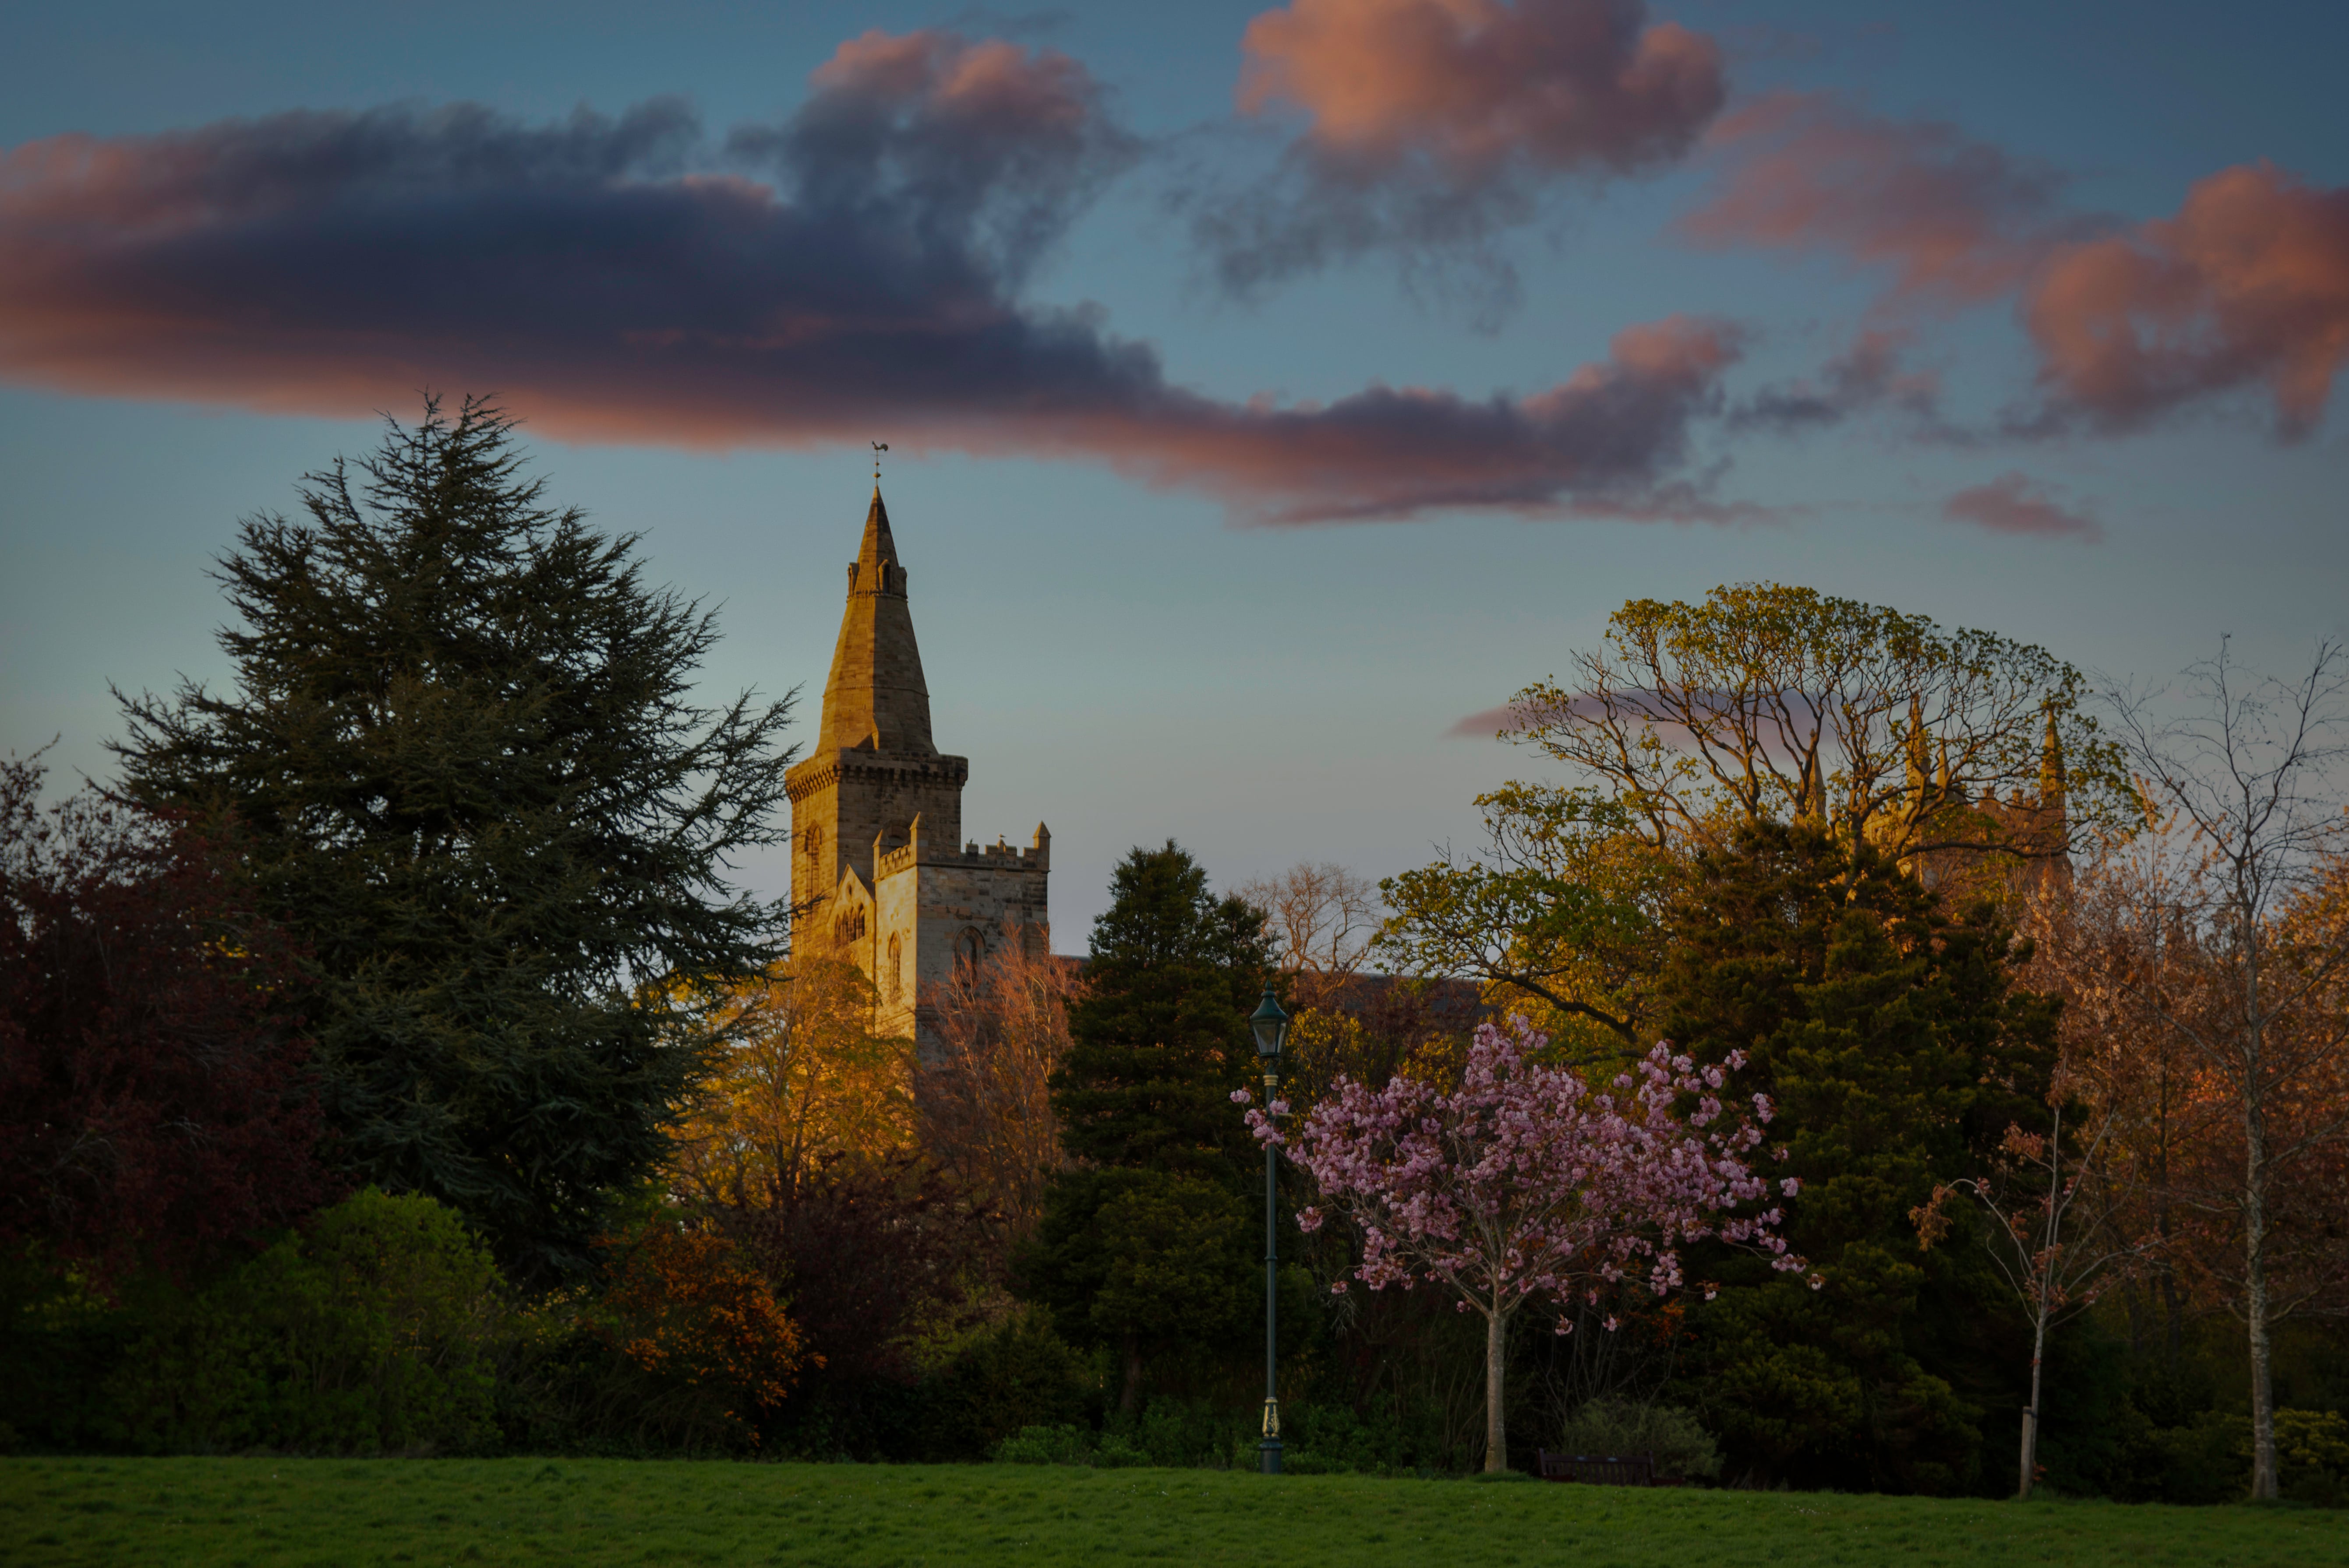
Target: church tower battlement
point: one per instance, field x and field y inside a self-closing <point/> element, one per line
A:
<point x="880" y="875"/>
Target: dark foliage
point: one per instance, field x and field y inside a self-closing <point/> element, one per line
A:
<point x="872" y="1256"/>
<point x="1016" y="1375"/>
<point x="372" y="1330"/>
<point x="684" y="1350"/>
<point x="1147" y="1261"/>
<point x="1161" y="1038"/>
<point x="470" y="777"/>
<point x="153" y="1103"/>
<point x="1898" y="1048"/>
<point x="1143" y="1244"/>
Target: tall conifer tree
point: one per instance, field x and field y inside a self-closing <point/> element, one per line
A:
<point x="1144" y="1244"/>
<point x="464" y="767"/>
<point x="1161" y="1038"/>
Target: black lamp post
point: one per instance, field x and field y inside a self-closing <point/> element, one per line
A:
<point x="1271" y="1026"/>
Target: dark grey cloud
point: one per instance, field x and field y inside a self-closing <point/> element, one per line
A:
<point x="856" y="269"/>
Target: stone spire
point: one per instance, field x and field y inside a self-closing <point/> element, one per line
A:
<point x="875" y="699"/>
<point x="2050" y="765"/>
<point x="1920" y="775"/>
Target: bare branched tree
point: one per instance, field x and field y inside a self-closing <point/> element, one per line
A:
<point x="985" y="1100"/>
<point x="2248" y="919"/>
<point x="1322" y="918"/>
<point x="2091" y="945"/>
<point x="2060" y="1231"/>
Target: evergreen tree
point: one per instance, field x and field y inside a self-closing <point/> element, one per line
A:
<point x="1144" y="1244"/>
<point x="464" y="766"/>
<point x="1162" y="1039"/>
<point x="1896" y="1045"/>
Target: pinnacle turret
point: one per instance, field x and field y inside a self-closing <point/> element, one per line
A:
<point x="876" y="557"/>
<point x="875" y="699"/>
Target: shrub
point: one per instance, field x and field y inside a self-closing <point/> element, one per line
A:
<point x="687" y="1311"/>
<point x="687" y="1350"/>
<point x="1613" y="1426"/>
<point x="1015" y="1376"/>
<point x="1382" y="1439"/>
<point x="372" y="1333"/>
<point x="1170" y="1433"/>
<point x="1064" y="1444"/>
<point x="2312" y="1454"/>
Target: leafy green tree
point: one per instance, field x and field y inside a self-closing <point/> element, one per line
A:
<point x="1559" y="915"/>
<point x="1898" y="1050"/>
<point x="1141" y="1245"/>
<point x="464" y="766"/>
<point x="374" y="1332"/>
<point x="1770" y="702"/>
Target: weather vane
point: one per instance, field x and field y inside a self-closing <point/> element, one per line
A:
<point x="878" y="448"/>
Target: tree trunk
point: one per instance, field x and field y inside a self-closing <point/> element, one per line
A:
<point x="1129" y="1397"/>
<point x="2030" y="1411"/>
<point x="1496" y="1357"/>
<point x="2173" y="1304"/>
<point x="2255" y="1304"/>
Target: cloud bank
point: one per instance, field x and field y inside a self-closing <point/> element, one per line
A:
<point x="852" y="270"/>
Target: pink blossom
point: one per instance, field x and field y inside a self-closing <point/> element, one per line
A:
<point x="1524" y="1183"/>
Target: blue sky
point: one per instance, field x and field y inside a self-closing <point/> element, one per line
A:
<point x="1121" y="644"/>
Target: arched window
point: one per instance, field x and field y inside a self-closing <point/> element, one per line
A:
<point x="814" y="839"/>
<point x="970" y="947"/>
<point x="893" y="979"/>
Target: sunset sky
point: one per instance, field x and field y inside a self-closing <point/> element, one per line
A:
<point x="1269" y="391"/>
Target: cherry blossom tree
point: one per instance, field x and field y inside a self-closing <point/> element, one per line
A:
<point x="1527" y="1184"/>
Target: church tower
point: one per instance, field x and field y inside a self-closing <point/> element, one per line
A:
<point x="880" y="875"/>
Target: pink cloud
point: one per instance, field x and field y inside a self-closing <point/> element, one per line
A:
<point x="2247" y="283"/>
<point x="854" y="271"/>
<point x="1484" y="724"/>
<point x="1430" y="126"/>
<point x="1955" y="221"/>
<point x="2013" y="504"/>
<point x="1471" y="84"/>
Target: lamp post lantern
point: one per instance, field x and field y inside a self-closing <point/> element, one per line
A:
<point x="1271" y="1027"/>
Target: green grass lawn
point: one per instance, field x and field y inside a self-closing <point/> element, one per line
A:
<point x="183" y="1512"/>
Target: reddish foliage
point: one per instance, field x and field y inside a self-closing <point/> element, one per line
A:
<point x="875" y="1252"/>
<point x="684" y="1305"/>
<point x="152" y="1099"/>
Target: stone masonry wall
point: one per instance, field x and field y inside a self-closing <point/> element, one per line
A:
<point x="935" y="907"/>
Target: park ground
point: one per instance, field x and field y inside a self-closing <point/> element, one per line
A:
<point x="191" y="1512"/>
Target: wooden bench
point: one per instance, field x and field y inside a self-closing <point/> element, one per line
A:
<point x="1599" y="1470"/>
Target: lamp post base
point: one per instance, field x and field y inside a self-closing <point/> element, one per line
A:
<point x="1268" y="1455"/>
